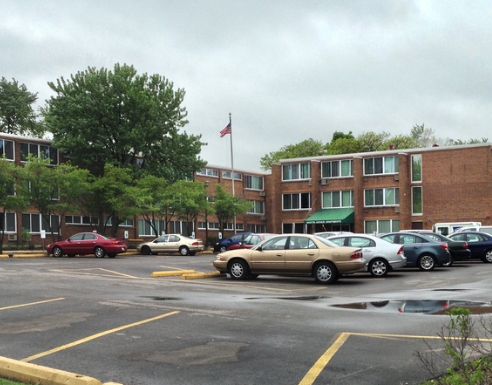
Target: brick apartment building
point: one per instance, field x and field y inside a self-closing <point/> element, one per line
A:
<point x="363" y="192"/>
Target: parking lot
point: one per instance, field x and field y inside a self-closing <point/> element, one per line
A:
<point x="111" y="320"/>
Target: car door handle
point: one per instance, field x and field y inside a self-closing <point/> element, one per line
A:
<point x="280" y="255"/>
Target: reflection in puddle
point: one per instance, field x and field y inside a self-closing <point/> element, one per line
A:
<point x="419" y="306"/>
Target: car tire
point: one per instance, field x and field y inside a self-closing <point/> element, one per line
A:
<point x="238" y="269"/>
<point x="222" y="249"/>
<point x="378" y="267"/>
<point x="99" y="252"/>
<point x="325" y="272"/>
<point x="426" y="262"/>
<point x="57" y="252"/>
<point x="184" y="251"/>
<point x="145" y="250"/>
<point x="487" y="256"/>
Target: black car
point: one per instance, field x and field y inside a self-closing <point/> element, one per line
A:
<point x="480" y="244"/>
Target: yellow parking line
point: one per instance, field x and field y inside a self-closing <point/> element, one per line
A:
<point x="318" y="367"/>
<point x="30" y="304"/>
<point x="94" y="336"/>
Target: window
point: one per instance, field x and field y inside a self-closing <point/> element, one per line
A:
<point x="227" y="175"/>
<point x="381" y="226"/>
<point x="208" y="172"/>
<point x="7" y="149"/>
<point x="332" y="199"/>
<point x="257" y="207"/>
<point x="381" y="165"/>
<point x="337" y="168"/>
<point x="296" y="171"/>
<point x="144" y="228"/>
<point x="126" y="223"/>
<point x="81" y="220"/>
<point x="298" y="201"/>
<point x="40" y="151"/>
<point x="416" y="200"/>
<point x="256" y="228"/>
<point x="8" y="222"/>
<point x="253" y="182"/>
<point x="417" y="168"/>
<point x="382" y="197"/>
<point x="289" y="228"/>
<point x="34" y="223"/>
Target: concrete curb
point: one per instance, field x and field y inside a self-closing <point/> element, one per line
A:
<point x="42" y="375"/>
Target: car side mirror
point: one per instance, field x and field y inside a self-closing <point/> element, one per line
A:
<point x="259" y="248"/>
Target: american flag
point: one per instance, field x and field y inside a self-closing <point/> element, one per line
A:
<point x="226" y="130"/>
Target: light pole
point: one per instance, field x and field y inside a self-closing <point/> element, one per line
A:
<point x="207" y="183"/>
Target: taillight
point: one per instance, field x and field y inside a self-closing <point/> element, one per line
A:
<point x="195" y="243"/>
<point x="400" y="251"/>
<point x="465" y="245"/>
<point x="444" y="246"/>
<point x="356" y="255"/>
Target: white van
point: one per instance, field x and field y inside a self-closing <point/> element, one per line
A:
<point x="483" y="229"/>
<point x="447" y="228"/>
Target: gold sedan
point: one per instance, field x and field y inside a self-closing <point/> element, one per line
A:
<point x="171" y="243"/>
<point x="292" y="254"/>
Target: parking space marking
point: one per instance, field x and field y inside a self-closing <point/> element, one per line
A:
<point x="31" y="303"/>
<point x="320" y="365"/>
<point x="83" y="272"/>
<point x="94" y="336"/>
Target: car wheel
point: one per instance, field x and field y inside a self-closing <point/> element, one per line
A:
<point x="378" y="267"/>
<point x="325" y="272"/>
<point x="57" y="252"/>
<point x="223" y="249"/>
<point x="112" y="255"/>
<point x="487" y="256"/>
<point x="183" y="250"/>
<point x="426" y="262"/>
<point x="99" y="252"/>
<point x="238" y="269"/>
<point x="145" y="250"/>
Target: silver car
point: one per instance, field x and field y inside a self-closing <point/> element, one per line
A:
<point x="380" y="255"/>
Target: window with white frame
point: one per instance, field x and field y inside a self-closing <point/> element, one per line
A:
<point x="145" y="229"/>
<point x="289" y="228"/>
<point x="256" y="228"/>
<point x="257" y="207"/>
<point x="227" y="175"/>
<point x="416" y="168"/>
<point x="337" y="168"/>
<point x="297" y="201"/>
<point x="382" y="197"/>
<point x="381" y="226"/>
<point x="8" y="222"/>
<point x="333" y="199"/>
<point x="208" y="172"/>
<point x="39" y="151"/>
<point x="417" y="200"/>
<point x="381" y="165"/>
<point x="125" y="223"/>
<point x="254" y="182"/>
<point x="81" y="220"/>
<point x="296" y="171"/>
<point x="34" y="223"/>
<point x="7" y="149"/>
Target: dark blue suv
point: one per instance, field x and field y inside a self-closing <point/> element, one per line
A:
<point x="223" y="244"/>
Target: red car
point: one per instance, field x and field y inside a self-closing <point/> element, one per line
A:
<point x="250" y="241"/>
<point x="87" y="243"/>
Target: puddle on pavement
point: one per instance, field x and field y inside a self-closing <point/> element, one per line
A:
<point x="302" y="298"/>
<point x="419" y="306"/>
<point x="164" y="298"/>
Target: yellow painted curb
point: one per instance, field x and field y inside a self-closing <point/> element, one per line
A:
<point x="171" y="273"/>
<point x="42" y="375"/>
<point x="22" y="255"/>
<point x="202" y="275"/>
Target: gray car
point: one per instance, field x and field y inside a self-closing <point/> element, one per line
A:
<point x="421" y="251"/>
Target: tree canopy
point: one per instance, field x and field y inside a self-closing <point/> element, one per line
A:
<point x="17" y="115"/>
<point x="121" y="118"/>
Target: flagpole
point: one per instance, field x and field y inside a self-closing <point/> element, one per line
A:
<point x="232" y="168"/>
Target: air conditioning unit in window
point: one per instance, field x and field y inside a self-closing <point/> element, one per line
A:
<point x="324" y="182"/>
<point x="12" y="237"/>
<point x="397" y="177"/>
<point x="262" y="193"/>
<point x="397" y="209"/>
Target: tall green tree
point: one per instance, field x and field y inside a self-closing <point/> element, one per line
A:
<point x="17" y="115"/>
<point x="124" y="119"/>
<point x="227" y="206"/>
<point x="306" y="148"/>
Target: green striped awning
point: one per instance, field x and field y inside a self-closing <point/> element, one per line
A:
<point x="331" y="216"/>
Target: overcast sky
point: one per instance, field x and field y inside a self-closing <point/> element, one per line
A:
<point x="286" y="70"/>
